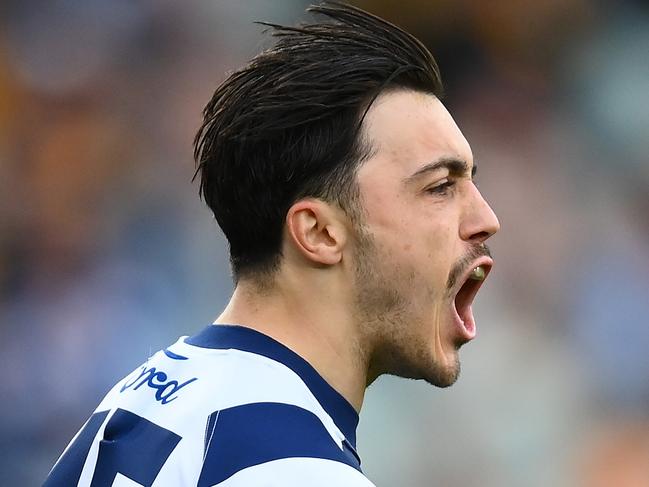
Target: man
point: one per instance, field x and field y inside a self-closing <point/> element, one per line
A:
<point x="356" y="235"/>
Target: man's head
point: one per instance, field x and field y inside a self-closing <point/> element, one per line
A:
<point x="332" y="154"/>
<point x="288" y="125"/>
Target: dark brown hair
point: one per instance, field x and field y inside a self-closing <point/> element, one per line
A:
<point x="288" y="124"/>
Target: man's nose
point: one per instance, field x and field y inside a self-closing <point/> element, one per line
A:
<point x="479" y="222"/>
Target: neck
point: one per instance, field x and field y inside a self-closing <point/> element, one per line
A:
<point x="313" y="321"/>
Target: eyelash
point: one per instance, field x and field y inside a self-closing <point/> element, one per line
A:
<point x="441" y="189"/>
<point x="444" y="188"/>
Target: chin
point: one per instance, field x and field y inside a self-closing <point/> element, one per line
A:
<point x="442" y="382"/>
<point x="436" y="374"/>
<point x="443" y="375"/>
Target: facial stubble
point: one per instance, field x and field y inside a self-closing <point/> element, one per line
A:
<point x="396" y="339"/>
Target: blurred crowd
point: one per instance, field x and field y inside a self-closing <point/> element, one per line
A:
<point x="107" y="253"/>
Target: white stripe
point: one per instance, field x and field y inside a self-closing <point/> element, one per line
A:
<point x="211" y="435"/>
<point x="298" y="472"/>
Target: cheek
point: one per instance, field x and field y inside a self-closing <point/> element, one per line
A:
<point x="441" y="243"/>
<point x="419" y="267"/>
<point x="431" y="258"/>
<point x="417" y="241"/>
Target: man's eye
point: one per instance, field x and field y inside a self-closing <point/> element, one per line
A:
<point x="441" y="189"/>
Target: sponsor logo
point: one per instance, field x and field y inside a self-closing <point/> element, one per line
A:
<point x="165" y="390"/>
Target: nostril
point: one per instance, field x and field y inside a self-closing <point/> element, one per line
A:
<point x="480" y="236"/>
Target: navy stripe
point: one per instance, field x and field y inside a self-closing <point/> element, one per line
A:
<point x="68" y="469"/>
<point x="134" y="447"/>
<point x="252" y="434"/>
<point x="172" y="355"/>
<point x="248" y="340"/>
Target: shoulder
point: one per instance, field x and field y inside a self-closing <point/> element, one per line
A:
<point x="207" y="417"/>
<point x="267" y="437"/>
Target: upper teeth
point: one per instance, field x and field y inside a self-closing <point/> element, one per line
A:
<point x="478" y="273"/>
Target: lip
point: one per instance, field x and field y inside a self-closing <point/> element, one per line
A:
<point x="463" y="317"/>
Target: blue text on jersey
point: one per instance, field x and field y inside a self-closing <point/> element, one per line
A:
<point x="164" y="390"/>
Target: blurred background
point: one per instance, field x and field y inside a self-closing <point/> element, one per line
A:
<point x="107" y="254"/>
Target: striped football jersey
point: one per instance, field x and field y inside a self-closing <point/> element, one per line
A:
<point x="228" y="407"/>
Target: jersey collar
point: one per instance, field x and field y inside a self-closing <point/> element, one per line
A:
<point x="246" y="339"/>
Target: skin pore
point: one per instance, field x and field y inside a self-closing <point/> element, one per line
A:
<point x="362" y="299"/>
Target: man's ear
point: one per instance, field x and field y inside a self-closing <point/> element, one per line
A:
<point x="316" y="231"/>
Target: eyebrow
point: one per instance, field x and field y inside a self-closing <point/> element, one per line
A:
<point x="456" y="167"/>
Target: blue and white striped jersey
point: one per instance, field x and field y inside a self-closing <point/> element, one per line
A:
<point x="228" y="407"/>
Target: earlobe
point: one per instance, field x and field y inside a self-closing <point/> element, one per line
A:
<point x="315" y="232"/>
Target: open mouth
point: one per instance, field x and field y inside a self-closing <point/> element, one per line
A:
<point x="472" y="281"/>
